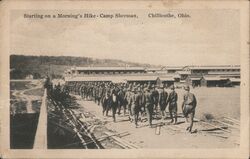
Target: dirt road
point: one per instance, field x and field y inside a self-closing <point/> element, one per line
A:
<point x="171" y="136"/>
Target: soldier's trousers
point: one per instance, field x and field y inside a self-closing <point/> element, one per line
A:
<point x="150" y="110"/>
<point x="105" y="106"/>
<point x="120" y="105"/>
<point x="135" y="111"/>
<point x="173" y="110"/>
<point x="114" y="108"/>
<point x="129" y="110"/>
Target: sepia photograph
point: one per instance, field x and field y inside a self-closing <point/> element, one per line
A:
<point x="140" y="78"/>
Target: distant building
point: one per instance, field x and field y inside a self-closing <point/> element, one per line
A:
<point x="209" y="76"/>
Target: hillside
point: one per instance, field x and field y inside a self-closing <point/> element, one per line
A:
<point x="39" y="66"/>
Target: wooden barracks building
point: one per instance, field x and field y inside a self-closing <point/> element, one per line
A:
<point x="209" y="76"/>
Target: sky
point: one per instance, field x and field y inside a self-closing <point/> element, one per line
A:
<point x="208" y="37"/>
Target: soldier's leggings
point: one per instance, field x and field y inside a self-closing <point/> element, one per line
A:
<point x="149" y="110"/>
<point x="120" y="106"/>
<point x="135" y="112"/>
<point x="130" y="111"/>
<point x="114" y="108"/>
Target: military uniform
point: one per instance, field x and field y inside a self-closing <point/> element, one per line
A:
<point x="121" y="100"/>
<point x="128" y="102"/>
<point x="106" y="102"/>
<point x="114" y="103"/>
<point x="155" y="95"/>
<point x="163" y="102"/>
<point x="135" y="106"/>
<point x="172" y="100"/>
<point x="188" y="106"/>
<point x="149" y="105"/>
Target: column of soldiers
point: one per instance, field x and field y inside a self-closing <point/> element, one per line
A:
<point x="139" y="100"/>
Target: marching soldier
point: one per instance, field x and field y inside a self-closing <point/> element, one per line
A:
<point x="149" y="105"/>
<point x="188" y="107"/>
<point x="172" y="100"/>
<point x="128" y="102"/>
<point x="82" y="91"/>
<point x="121" y="97"/>
<point x="106" y="102"/>
<point x="155" y="95"/>
<point x="114" y="103"/>
<point x="163" y="101"/>
<point x="135" y="106"/>
<point x="143" y="101"/>
<point x="99" y="94"/>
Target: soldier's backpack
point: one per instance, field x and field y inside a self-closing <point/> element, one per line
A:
<point x="189" y="99"/>
<point x="114" y="98"/>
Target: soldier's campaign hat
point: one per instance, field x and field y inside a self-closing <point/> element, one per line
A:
<point x="187" y="88"/>
<point x="134" y="89"/>
<point x="161" y="86"/>
<point x="147" y="88"/>
<point x="172" y="87"/>
<point x="138" y="89"/>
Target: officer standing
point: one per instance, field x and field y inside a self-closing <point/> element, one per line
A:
<point x="188" y="107"/>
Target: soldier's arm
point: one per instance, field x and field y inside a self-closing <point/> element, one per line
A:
<point x="183" y="102"/>
<point x="167" y="98"/>
<point x="143" y="99"/>
<point x="159" y="98"/>
<point x="195" y="101"/>
<point x="176" y="99"/>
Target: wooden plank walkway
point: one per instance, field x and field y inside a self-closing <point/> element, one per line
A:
<point x="41" y="132"/>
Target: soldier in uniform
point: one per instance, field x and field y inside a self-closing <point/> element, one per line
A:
<point x="143" y="102"/>
<point x="95" y="92"/>
<point x="149" y="105"/>
<point x="82" y="91"/>
<point x="188" y="107"/>
<point x="128" y="100"/>
<point x="172" y="100"/>
<point x="135" y="106"/>
<point x="106" y="102"/>
<point x="114" y="102"/>
<point x="155" y="95"/>
<point x="163" y="101"/>
<point x="99" y="94"/>
<point x="121" y="101"/>
<point x="85" y="91"/>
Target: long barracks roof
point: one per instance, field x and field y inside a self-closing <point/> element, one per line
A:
<point x="107" y="68"/>
<point x="179" y="68"/>
<point x="119" y="78"/>
<point x="214" y="67"/>
<point x="203" y="67"/>
<point x="214" y="78"/>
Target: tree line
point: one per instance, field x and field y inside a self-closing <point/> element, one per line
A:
<point x="39" y="66"/>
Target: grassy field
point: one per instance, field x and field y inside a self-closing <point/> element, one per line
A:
<point x="218" y="102"/>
